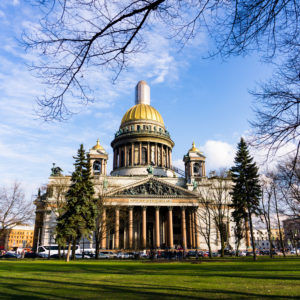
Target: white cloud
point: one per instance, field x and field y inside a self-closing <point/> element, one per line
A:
<point x="218" y="154"/>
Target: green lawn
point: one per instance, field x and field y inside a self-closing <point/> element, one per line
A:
<point x="241" y="279"/>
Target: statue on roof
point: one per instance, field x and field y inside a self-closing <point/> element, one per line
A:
<point x="56" y="171"/>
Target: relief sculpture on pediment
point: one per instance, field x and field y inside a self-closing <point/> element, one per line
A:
<point x="151" y="188"/>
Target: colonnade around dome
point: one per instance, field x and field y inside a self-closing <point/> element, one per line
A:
<point x="142" y="154"/>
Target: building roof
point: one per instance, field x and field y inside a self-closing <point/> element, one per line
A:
<point x="98" y="146"/>
<point x="194" y="149"/>
<point x="142" y="112"/>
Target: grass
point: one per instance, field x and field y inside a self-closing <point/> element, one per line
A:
<point x="220" y="279"/>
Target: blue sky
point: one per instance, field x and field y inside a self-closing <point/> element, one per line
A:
<point x="201" y="100"/>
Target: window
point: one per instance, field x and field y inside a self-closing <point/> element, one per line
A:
<point x="97" y="167"/>
<point x="122" y="162"/>
<point x="144" y="155"/>
<point x="197" y="169"/>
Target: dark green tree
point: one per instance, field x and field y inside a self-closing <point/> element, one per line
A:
<point x="246" y="192"/>
<point x="78" y="220"/>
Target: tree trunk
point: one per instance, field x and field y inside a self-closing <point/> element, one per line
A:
<point x="97" y="247"/>
<point x="252" y="235"/>
<point x="247" y="233"/>
<point x="209" y="247"/>
<point x="59" y="252"/>
<point x="73" y="249"/>
<point x="279" y="227"/>
<point x="222" y="245"/>
<point x="271" y="245"/>
<point x="69" y="252"/>
<point x="237" y="247"/>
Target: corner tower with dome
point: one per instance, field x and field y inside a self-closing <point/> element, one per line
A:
<point x="145" y="202"/>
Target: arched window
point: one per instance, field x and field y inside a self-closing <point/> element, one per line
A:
<point x="197" y="169"/>
<point x="122" y="160"/>
<point x="97" y="167"/>
<point x="144" y="156"/>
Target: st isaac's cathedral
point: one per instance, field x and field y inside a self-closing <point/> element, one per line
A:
<point x="146" y="202"/>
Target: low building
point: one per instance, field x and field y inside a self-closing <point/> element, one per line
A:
<point x="261" y="238"/>
<point x="19" y="236"/>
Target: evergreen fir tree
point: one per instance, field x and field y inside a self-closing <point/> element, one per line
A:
<point x="79" y="217"/>
<point x="247" y="190"/>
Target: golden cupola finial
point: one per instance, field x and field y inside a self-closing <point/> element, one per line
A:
<point x="194" y="148"/>
<point x="98" y="146"/>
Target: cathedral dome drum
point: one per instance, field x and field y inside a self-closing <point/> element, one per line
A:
<point x="142" y="144"/>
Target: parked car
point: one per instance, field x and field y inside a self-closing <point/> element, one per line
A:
<point x="103" y="255"/>
<point x="122" y="255"/>
<point x="10" y="255"/>
<point x="32" y="255"/>
<point x="80" y="256"/>
<point x="110" y="254"/>
<point x="44" y="251"/>
<point x="191" y="254"/>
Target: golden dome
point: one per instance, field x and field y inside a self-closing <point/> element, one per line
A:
<point x="142" y="112"/>
<point x="194" y="149"/>
<point x="98" y="146"/>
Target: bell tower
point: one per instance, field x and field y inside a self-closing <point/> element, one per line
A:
<point x="98" y="158"/>
<point x="194" y="162"/>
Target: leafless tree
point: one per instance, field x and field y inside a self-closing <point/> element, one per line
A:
<point x="289" y="183"/>
<point x="276" y="198"/>
<point x="14" y="209"/>
<point x="214" y="209"/>
<point x="266" y="207"/>
<point x="204" y="213"/>
<point x="220" y="196"/>
<point x="278" y="110"/>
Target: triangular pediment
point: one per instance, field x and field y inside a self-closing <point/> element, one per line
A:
<point x="152" y="187"/>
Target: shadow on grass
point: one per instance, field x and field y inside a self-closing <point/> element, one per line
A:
<point x="74" y="290"/>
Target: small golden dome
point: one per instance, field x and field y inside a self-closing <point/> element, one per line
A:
<point x="98" y="146"/>
<point x="142" y="112"/>
<point x="194" y="149"/>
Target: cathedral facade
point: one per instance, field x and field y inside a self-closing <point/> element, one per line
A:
<point x="146" y="203"/>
